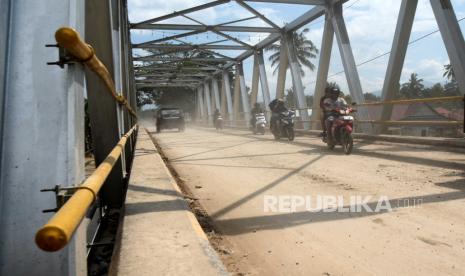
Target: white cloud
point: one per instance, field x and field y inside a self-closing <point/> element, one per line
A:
<point x="371" y="25"/>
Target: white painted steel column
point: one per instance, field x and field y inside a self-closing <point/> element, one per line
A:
<point x="244" y="96"/>
<point x="216" y="93"/>
<point x="227" y="91"/>
<point x="297" y="80"/>
<point x="42" y="143"/>
<point x="283" y="64"/>
<point x="208" y="103"/>
<point x="348" y="61"/>
<point x="452" y="37"/>
<point x="397" y="57"/>
<point x="323" y="68"/>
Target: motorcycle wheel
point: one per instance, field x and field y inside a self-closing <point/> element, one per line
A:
<point x="347" y="143"/>
<point x="290" y="134"/>
<point x="276" y="135"/>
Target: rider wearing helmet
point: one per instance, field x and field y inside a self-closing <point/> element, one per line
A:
<point x="255" y="110"/>
<point x="216" y="114"/>
<point x="331" y="107"/>
<point x="276" y="106"/>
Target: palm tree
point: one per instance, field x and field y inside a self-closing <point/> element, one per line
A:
<point x="413" y="88"/>
<point x="305" y="50"/>
<point x="449" y="72"/>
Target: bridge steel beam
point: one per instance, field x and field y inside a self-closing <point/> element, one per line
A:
<point x="348" y="61"/>
<point x="102" y="107"/>
<point x="297" y="80"/>
<point x="263" y="80"/>
<point x="42" y="134"/>
<point x="237" y="95"/>
<point x="223" y="108"/>
<point x="188" y="47"/>
<point x="261" y="16"/>
<point x="397" y="58"/>
<point x="216" y="93"/>
<point x="227" y="91"/>
<point x="323" y="69"/>
<point x="452" y="37"/>
<point x="185" y="11"/>
<point x="299" y="2"/>
<point x="282" y="70"/>
<point x="120" y="74"/>
<point x="255" y="80"/>
<point x="244" y="95"/>
<point x="208" y="103"/>
<point x="206" y="28"/>
<point x="201" y="103"/>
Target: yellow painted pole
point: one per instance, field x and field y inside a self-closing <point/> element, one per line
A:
<point x="60" y="228"/>
<point x="69" y="39"/>
<point x="410" y="101"/>
<point x="415" y="123"/>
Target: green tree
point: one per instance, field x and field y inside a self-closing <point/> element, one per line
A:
<point x="290" y="98"/>
<point x="309" y="99"/>
<point x="449" y="72"/>
<point x="370" y="97"/>
<point x="305" y="51"/>
<point x="412" y="89"/>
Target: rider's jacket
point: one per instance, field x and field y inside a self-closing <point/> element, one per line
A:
<point x="257" y="110"/>
<point x="330" y="105"/>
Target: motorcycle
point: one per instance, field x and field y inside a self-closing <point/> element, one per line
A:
<point x="341" y="130"/>
<point x="260" y="124"/>
<point x="284" y="126"/>
<point x="219" y="123"/>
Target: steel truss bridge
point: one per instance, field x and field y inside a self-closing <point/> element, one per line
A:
<point x="42" y="104"/>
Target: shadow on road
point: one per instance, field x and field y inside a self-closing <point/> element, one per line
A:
<point x="283" y="220"/>
<point x="263" y="189"/>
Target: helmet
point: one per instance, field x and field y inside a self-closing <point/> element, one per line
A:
<point x="334" y="91"/>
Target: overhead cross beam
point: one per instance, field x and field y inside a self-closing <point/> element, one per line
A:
<point x="206" y="28"/>
<point x="299" y="2"/>
<point x="178" y="13"/>
<point x="188" y="47"/>
<point x="261" y="16"/>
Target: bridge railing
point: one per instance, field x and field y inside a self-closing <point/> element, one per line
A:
<point x="69" y="39"/>
<point x="58" y="231"/>
<point x="413" y="123"/>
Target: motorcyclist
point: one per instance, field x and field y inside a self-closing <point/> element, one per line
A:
<point x="255" y="110"/>
<point x="331" y="107"/>
<point x="276" y="106"/>
<point x="216" y="115"/>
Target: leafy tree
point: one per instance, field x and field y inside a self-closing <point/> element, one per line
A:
<point x="290" y="98"/>
<point x="305" y="51"/>
<point x="309" y="99"/>
<point x="413" y="88"/>
<point x="370" y="97"/>
<point x="449" y="72"/>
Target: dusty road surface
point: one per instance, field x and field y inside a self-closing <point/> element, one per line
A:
<point x="233" y="173"/>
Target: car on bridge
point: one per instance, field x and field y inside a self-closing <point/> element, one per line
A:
<point x="170" y="118"/>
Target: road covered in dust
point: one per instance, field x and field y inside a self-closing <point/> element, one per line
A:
<point x="296" y="208"/>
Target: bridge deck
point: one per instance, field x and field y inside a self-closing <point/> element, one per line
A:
<point x="230" y="172"/>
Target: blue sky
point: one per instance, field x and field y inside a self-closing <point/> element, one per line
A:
<point x="370" y="24"/>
